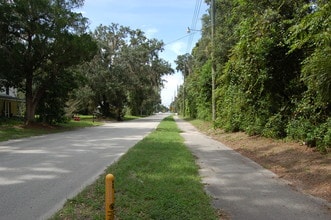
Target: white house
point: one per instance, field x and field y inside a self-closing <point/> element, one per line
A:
<point x="10" y="104"/>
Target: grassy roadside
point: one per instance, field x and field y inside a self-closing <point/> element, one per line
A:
<point x="156" y="179"/>
<point x="15" y="128"/>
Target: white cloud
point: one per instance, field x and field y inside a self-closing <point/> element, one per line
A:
<point x="178" y="47"/>
<point x="169" y="91"/>
<point x="82" y="12"/>
<point x="150" y="31"/>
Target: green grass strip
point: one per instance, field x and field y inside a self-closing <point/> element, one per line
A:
<point x="156" y="179"/>
<point x="15" y="129"/>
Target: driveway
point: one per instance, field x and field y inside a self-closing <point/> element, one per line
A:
<point x="38" y="174"/>
<point x="245" y="190"/>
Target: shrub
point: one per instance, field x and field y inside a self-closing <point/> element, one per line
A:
<point x="313" y="135"/>
<point x="275" y="127"/>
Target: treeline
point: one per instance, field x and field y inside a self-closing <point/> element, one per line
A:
<point x="61" y="69"/>
<point x="124" y="77"/>
<point x="273" y="70"/>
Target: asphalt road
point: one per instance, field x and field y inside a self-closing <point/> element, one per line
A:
<point x="38" y="174"/>
<point x="245" y="190"/>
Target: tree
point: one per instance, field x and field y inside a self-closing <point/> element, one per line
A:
<point x="273" y="69"/>
<point x="127" y="73"/>
<point x="312" y="33"/>
<point x="184" y="64"/>
<point x="105" y="77"/>
<point x="41" y="40"/>
<point x="145" y="68"/>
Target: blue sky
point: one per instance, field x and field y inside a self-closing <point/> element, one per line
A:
<point x="165" y="20"/>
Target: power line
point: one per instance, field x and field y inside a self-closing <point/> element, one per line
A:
<point x="195" y="17"/>
<point x="170" y="42"/>
<point x="195" y="11"/>
<point x="193" y="26"/>
<point x="195" y="14"/>
<point x="194" y="22"/>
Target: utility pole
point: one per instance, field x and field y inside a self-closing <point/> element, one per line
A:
<point x="184" y="89"/>
<point x="212" y="13"/>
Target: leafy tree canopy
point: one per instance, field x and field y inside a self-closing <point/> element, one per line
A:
<point x="126" y="74"/>
<point x="273" y="71"/>
<point x="40" y="40"/>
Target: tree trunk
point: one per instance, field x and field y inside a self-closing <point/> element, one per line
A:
<point x="119" y="114"/>
<point x="31" y="99"/>
<point x="30" y="110"/>
<point x="29" y="107"/>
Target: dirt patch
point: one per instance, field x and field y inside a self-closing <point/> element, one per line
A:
<point x="303" y="167"/>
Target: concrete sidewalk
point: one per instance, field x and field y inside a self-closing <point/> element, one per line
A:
<point x="245" y="190"/>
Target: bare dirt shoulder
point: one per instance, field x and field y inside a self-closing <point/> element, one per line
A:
<point x="304" y="168"/>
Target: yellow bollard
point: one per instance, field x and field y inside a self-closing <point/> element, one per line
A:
<point x="110" y="197"/>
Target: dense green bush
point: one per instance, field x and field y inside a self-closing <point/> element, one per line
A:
<point x="275" y="127"/>
<point x="273" y="69"/>
<point x="312" y="135"/>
